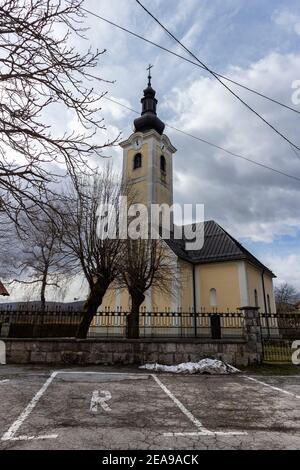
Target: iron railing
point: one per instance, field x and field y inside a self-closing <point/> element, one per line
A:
<point x="35" y="324"/>
<point x="214" y="325"/>
<point x="280" y="325"/>
<point x="171" y="324"/>
<point x="277" y="350"/>
<point x="114" y="324"/>
<point x="278" y="332"/>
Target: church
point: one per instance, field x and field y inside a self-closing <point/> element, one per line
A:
<point x="222" y="276"/>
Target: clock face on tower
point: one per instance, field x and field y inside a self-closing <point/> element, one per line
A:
<point x="137" y="143"/>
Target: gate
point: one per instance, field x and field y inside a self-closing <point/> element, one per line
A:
<point x="215" y="324"/>
<point x="277" y="350"/>
<point x="278" y="331"/>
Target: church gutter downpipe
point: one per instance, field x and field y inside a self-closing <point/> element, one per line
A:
<point x="265" y="301"/>
<point x="194" y="301"/>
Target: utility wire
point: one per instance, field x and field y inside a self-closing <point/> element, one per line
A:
<point x="222" y="76"/>
<point x="191" y="61"/>
<point x="295" y="152"/>
<point x="217" y="78"/>
<point x="275" y="170"/>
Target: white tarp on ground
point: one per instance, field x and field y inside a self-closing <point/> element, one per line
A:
<point x="204" y="366"/>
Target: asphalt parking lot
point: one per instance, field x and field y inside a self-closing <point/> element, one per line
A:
<point x="109" y="409"/>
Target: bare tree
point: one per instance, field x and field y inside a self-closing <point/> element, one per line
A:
<point x="42" y="74"/>
<point x="41" y="263"/>
<point x="8" y="247"/>
<point x="92" y="250"/>
<point x="146" y="263"/>
<point x="285" y="296"/>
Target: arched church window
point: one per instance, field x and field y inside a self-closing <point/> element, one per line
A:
<point x="137" y="161"/>
<point x="255" y="298"/>
<point x="213" y="297"/>
<point x="162" y="164"/>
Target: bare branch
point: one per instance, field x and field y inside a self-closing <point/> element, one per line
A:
<point x="41" y="74"/>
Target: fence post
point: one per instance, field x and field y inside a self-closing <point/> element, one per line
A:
<point x="195" y="324"/>
<point x="253" y="333"/>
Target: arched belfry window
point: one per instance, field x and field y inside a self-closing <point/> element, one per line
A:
<point x="163" y="164"/>
<point x="213" y="297"/>
<point x="137" y="161"/>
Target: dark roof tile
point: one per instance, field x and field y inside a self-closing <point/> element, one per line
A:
<point x="218" y="246"/>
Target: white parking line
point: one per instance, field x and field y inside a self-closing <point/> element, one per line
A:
<point x="33" y="438"/>
<point x="9" y="435"/>
<point x="272" y="386"/>
<point x="4" y="381"/>
<point x="129" y="374"/>
<point x="207" y="433"/>
<point x="284" y="376"/>
<point x="187" y="413"/>
<point x="202" y="430"/>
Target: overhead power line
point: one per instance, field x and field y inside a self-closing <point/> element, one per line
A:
<point x="211" y="144"/>
<point x="222" y="76"/>
<point x="218" y="78"/>
<point x="251" y="90"/>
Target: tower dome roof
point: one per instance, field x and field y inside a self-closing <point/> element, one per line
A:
<point x="149" y="119"/>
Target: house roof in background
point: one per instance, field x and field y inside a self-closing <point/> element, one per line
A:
<point x="35" y="305"/>
<point x="3" y="291"/>
<point x="218" y="246"/>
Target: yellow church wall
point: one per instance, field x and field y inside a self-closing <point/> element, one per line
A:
<point x="186" y="286"/>
<point x="254" y="276"/>
<point x="140" y="193"/>
<point x="109" y="300"/>
<point x="124" y="300"/>
<point x="161" y="301"/>
<point x="255" y="283"/>
<point x="139" y="176"/>
<point x="224" y="278"/>
<point x="163" y="298"/>
<point x="163" y="195"/>
<point x="269" y="288"/>
<point x="138" y="172"/>
<point x="168" y="165"/>
<point x="220" y="276"/>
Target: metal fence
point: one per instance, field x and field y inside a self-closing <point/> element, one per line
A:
<point x="172" y="324"/>
<point x="276" y="330"/>
<point x="277" y="350"/>
<point x="33" y="324"/>
<point x="280" y="325"/>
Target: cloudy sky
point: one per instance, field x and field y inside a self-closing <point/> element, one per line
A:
<point x="255" y="43"/>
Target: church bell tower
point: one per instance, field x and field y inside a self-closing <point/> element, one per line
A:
<point x="148" y="154"/>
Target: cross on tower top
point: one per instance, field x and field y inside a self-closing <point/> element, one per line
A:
<point x="149" y="76"/>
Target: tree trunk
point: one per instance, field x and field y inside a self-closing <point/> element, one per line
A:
<point x="133" y="329"/>
<point x="38" y="324"/>
<point x="43" y="296"/>
<point x="94" y="301"/>
<point x="43" y="292"/>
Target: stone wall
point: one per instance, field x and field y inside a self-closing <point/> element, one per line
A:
<point x="119" y="351"/>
